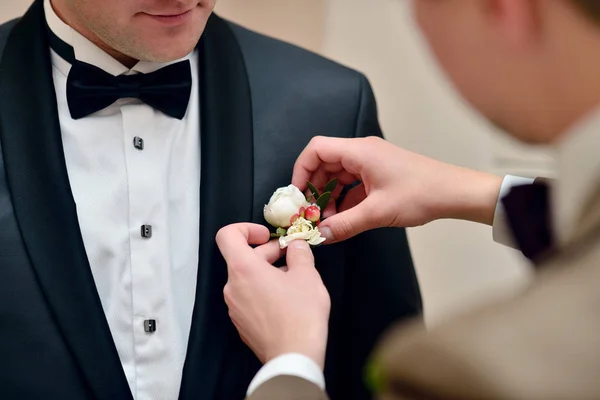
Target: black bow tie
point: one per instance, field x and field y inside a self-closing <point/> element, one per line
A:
<point x="90" y="89"/>
<point x="528" y="214"/>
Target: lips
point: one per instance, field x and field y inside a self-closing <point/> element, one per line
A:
<point x="171" y="19"/>
<point x="170" y="15"/>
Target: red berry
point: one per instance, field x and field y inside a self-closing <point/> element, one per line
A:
<point x="313" y="213"/>
<point x="301" y="211"/>
<point x="294" y="218"/>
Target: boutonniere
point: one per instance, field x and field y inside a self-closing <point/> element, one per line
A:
<point x="297" y="217"/>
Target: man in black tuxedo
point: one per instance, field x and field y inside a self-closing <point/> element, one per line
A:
<point x="130" y="132"/>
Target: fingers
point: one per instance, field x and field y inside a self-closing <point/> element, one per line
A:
<point x="319" y="179"/>
<point x="323" y="150"/>
<point x="354" y="197"/>
<point x="299" y="256"/>
<point x="270" y="252"/>
<point x="234" y="240"/>
<point x="349" y="223"/>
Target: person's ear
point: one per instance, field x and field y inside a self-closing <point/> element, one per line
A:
<point x="518" y="23"/>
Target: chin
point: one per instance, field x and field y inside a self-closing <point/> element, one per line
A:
<point x="165" y="43"/>
<point x="162" y="57"/>
<point x="168" y="50"/>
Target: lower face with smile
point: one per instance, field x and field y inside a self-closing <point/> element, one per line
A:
<point x="132" y="30"/>
<point x="170" y="31"/>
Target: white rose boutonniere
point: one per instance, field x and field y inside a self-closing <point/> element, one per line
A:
<point x="295" y="216"/>
<point x="284" y="203"/>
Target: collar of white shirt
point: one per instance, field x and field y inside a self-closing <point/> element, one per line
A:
<point x="88" y="52"/>
<point x="578" y="174"/>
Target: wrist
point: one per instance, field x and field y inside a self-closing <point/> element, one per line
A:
<point x="315" y="354"/>
<point x="314" y="349"/>
<point x="470" y="196"/>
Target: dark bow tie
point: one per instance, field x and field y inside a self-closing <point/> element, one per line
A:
<point x="90" y="89"/>
<point x="528" y="214"/>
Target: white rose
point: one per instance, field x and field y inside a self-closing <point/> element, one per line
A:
<point x="284" y="203"/>
<point x="301" y="229"/>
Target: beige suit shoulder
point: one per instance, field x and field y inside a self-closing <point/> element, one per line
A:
<point x="541" y="344"/>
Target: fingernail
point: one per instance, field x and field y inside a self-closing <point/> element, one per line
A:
<point x="327" y="234"/>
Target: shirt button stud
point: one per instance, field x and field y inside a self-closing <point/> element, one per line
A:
<point x="150" y="325"/>
<point x="146" y="231"/>
<point x="138" y="143"/>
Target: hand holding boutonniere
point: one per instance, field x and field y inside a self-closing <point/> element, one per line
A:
<point x="296" y="217"/>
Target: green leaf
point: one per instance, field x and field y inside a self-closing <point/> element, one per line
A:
<point x="323" y="200"/>
<point x="331" y="185"/>
<point x="280" y="232"/>
<point x="313" y="190"/>
<point x="375" y="377"/>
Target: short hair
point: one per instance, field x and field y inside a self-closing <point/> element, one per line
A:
<point x="590" y="7"/>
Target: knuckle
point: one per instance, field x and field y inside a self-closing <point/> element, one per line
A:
<point x="372" y="142"/>
<point x="317" y="141"/>
<point x="227" y="290"/>
<point x="323" y="296"/>
<point x="326" y="300"/>
<point x="224" y="233"/>
<point x="227" y="294"/>
<point x="219" y="236"/>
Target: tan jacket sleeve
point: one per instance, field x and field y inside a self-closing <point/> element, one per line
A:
<point x="286" y="387"/>
<point x="540" y="344"/>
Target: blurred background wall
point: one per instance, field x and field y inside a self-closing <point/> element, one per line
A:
<point x="458" y="264"/>
<point x="11" y="8"/>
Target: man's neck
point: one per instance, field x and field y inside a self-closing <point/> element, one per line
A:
<point x="571" y="67"/>
<point x="63" y="12"/>
<point x="579" y="98"/>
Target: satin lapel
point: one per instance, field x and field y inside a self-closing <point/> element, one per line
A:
<point x="226" y="196"/>
<point x="44" y="205"/>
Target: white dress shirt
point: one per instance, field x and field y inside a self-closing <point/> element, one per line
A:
<point x="117" y="188"/>
<point x="578" y="174"/>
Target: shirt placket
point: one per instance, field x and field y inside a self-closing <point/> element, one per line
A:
<point x="148" y="229"/>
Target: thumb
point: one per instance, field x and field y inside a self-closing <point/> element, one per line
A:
<point x="349" y="223"/>
<point x="299" y="256"/>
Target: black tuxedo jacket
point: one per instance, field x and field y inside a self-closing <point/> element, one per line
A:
<point x="261" y="102"/>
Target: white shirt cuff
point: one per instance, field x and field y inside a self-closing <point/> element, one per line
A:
<point x="501" y="230"/>
<point x="293" y="364"/>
